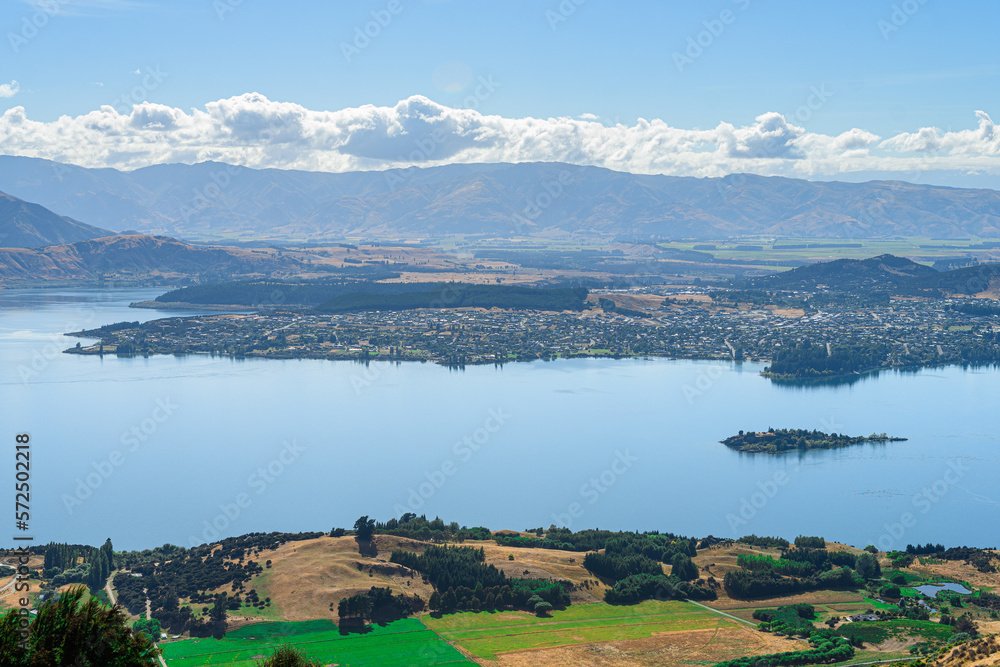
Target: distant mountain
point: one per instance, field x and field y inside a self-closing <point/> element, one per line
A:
<point x="885" y="273"/>
<point x="27" y="225"/>
<point x="212" y="200"/>
<point x="136" y="257"/>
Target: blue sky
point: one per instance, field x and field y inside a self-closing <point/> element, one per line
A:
<point x="884" y="67"/>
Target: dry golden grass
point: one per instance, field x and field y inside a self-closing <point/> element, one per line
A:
<point x="793" y="313"/>
<point x="306" y="577"/>
<point x="545" y="564"/>
<point x="981" y="652"/>
<point x="692" y="647"/>
<point x="961" y="571"/>
<point x="9" y="597"/>
<point x="683" y="298"/>
<point x="648" y="302"/>
<point x="722" y="558"/>
<point x="813" y="597"/>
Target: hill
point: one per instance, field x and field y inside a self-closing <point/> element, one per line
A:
<point x="850" y="274"/>
<point x="135" y="257"/>
<point x="549" y="200"/>
<point x="885" y="273"/>
<point x="27" y="225"/>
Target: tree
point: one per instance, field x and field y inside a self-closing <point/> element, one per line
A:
<point x="66" y="632"/>
<point x="149" y="627"/>
<point x="964" y="623"/>
<point x="683" y="568"/>
<point x="435" y="602"/>
<point x="286" y="656"/>
<point x="218" y="616"/>
<point x="543" y="608"/>
<point x="364" y="528"/>
<point x="867" y="566"/>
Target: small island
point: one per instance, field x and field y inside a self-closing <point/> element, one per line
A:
<point x="776" y="441"/>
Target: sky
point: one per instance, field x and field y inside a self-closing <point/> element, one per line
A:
<point x="850" y="90"/>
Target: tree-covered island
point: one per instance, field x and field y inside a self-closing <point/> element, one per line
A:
<point x="776" y="441"/>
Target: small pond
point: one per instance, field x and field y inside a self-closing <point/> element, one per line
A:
<point x="930" y="590"/>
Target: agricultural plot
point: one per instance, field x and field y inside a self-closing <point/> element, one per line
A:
<point x="485" y="635"/>
<point x="405" y="642"/>
<point x="877" y="632"/>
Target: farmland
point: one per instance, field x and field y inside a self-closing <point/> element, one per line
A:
<point x="487" y="635"/>
<point x="404" y="642"/>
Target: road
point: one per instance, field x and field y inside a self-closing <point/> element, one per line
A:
<point x="6" y="586"/>
<point x="111" y="593"/>
<point x="722" y="613"/>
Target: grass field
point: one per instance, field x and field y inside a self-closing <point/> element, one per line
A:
<point x="405" y="642"/>
<point x="485" y="635"/>
<point x="876" y="632"/>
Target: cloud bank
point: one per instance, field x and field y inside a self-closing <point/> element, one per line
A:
<point x="254" y="131"/>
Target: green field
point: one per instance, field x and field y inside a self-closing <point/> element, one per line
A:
<point x="879" y="631"/>
<point x="405" y="642"/>
<point x="486" y="634"/>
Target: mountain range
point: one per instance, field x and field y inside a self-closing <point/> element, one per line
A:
<point x="548" y="200"/>
<point x="140" y="258"/>
<point x="27" y="225"/>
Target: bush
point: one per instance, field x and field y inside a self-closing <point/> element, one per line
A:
<point x="286" y="656"/>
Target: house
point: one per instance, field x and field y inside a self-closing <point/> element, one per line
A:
<point x="862" y="617"/>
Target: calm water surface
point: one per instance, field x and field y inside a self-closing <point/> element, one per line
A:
<point x="186" y="449"/>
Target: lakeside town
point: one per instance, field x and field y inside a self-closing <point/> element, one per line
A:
<point x="648" y="321"/>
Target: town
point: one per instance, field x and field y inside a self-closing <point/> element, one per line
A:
<point x="647" y="321"/>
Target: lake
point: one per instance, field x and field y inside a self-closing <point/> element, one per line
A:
<point x="187" y="449"/>
<point x="931" y="590"/>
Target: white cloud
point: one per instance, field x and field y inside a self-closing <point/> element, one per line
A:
<point x="9" y="89"/>
<point x="254" y="131"/>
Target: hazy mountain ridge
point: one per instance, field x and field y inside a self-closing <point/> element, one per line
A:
<point x="27" y="225"/>
<point x="883" y="273"/>
<point x="549" y="199"/>
<point x="135" y="256"/>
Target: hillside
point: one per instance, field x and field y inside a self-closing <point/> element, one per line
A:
<point x="550" y="200"/>
<point x="27" y="225"/>
<point x="135" y="257"/>
<point x="883" y="273"/>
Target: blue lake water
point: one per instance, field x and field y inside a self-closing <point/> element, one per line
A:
<point x="185" y="449"/>
<point x="930" y="590"/>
